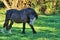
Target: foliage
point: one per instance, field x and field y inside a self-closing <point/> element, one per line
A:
<point x="46" y="7"/>
<point x="51" y="7"/>
<point x="1" y="4"/>
<point x="2" y="10"/>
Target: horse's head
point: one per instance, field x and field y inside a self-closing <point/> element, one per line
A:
<point x="32" y="19"/>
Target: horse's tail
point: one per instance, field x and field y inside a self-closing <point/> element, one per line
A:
<point x="8" y="14"/>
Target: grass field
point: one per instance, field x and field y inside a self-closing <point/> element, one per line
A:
<point x="47" y="27"/>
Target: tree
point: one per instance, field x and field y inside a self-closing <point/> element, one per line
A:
<point x="17" y="4"/>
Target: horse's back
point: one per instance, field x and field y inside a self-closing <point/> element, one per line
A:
<point x="10" y="12"/>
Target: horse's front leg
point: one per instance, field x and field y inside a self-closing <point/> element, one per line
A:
<point x="23" y="31"/>
<point x="5" y="25"/>
<point x="31" y="25"/>
<point x="32" y="28"/>
<point x="10" y="26"/>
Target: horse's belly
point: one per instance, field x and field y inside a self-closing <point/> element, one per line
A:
<point x="18" y="19"/>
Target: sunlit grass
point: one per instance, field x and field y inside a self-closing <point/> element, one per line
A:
<point x="47" y="27"/>
<point x="2" y="12"/>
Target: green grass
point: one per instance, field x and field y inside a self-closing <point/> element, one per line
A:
<point x="2" y="10"/>
<point x="47" y="27"/>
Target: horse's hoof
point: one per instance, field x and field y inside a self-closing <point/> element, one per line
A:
<point x="9" y="32"/>
<point x="23" y="32"/>
<point x="2" y="31"/>
<point x="34" y="32"/>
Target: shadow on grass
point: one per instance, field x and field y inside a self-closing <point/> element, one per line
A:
<point x="41" y="34"/>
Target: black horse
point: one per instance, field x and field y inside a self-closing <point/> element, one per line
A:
<point x="24" y="16"/>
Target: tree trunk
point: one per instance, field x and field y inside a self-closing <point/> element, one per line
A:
<point x="17" y="4"/>
<point x="6" y="4"/>
<point x="14" y="4"/>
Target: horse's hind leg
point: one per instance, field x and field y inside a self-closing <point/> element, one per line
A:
<point x="5" y="25"/>
<point x="23" y="32"/>
<point x="10" y="26"/>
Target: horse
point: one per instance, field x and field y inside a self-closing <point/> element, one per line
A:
<point x="24" y="16"/>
